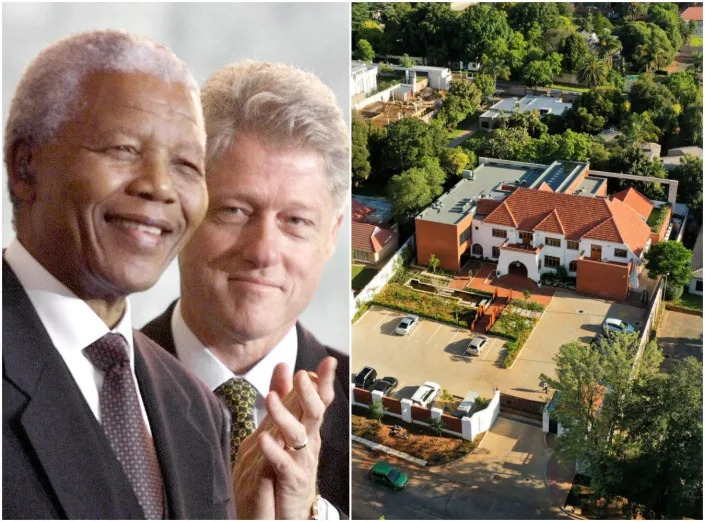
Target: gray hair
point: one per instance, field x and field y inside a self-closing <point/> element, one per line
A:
<point x="46" y="94"/>
<point x="280" y="105"/>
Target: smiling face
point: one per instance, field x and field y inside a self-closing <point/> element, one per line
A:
<point x="119" y="188"/>
<point x="256" y="260"/>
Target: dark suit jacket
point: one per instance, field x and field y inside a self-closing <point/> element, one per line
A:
<point x="57" y="462"/>
<point x="334" y="462"/>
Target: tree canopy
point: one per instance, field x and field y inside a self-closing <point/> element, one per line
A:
<point x="672" y="258"/>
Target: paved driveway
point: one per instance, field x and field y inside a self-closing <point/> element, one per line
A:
<point x="432" y="352"/>
<point x="568" y="317"/>
<point x="502" y="479"/>
<point x="680" y="335"/>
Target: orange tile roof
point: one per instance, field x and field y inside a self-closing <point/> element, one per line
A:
<point x="544" y="186"/>
<point x="693" y="13"/>
<point x="360" y="211"/>
<point x="572" y="216"/>
<point x="370" y="238"/>
<point x="636" y="200"/>
<point x="551" y="223"/>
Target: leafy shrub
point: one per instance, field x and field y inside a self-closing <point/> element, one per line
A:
<point x="673" y="291"/>
<point x="517" y="329"/>
<point x="404" y="299"/>
<point x="437" y="426"/>
<point x="528" y="305"/>
<point x="482" y="403"/>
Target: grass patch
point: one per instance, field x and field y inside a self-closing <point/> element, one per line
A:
<point x="689" y="301"/>
<point x="399" y="297"/>
<point x="360" y="311"/>
<point x="696" y="41"/>
<point x="422" y="442"/>
<point x="567" y="87"/>
<point x="517" y="329"/>
<point x="361" y="275"/>
<point x="528" y="305"/>
<point x="657" y="217"/>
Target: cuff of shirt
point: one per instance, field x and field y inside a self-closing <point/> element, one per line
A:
<point x="326" y="511"/>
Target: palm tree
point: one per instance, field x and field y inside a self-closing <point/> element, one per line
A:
<point x="592" y="71"/>
<point x="639" y="128"/>
<point x="609" y="46"/>
<point x="652" y="55"/>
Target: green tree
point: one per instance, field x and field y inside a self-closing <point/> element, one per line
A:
<point x="435" y="175"/>
<point x="360" y="12"/>
<point x="377" y="410"/>
<point x="406" y="62"/>
<point x="646" y="46"/>
<point x="609" y="46"/>
<point x="638" y="128"/>
<point x="538" y="73"/>
<point x="486" y="83"/>
<point x="595" y="109"/>
<point x="433" y="262"/>
<point x="364" y="51"/>
<point x="672" y="258"/>
<point x="463" y="99"/>
<point x="669" y="20"/>
<point x="478" y="26"/>
<point x="544" y="15"/>
<point x="360" y="154"/>
<point x="454" y="161"/>
<point x="512" y="144"/>
<point x="574" y="49"/>
<point x="632" y="160"/>
<point x="495" y="62"/>
<point x="664" y="109"/>
<point x="408" y="141"/>
<point x="445" y="399"/>
<point x="372" y="32"/>
<point x="592" y="71"/>
<point x="409" y="192"/>
<point x="437" y="426"/>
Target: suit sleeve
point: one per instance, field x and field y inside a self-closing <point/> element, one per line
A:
<point x="225" y="449"/>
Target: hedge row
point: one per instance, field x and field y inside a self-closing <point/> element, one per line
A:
<point x="516" y="329"/>
<point x="404" y="299"/>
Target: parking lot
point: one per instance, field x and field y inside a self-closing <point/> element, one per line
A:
<point x="680" y="335"/>
<point x="435" y="351"/>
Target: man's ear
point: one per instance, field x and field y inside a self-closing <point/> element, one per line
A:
<point x="334" y="235"/>
<point x="22" y="179"/>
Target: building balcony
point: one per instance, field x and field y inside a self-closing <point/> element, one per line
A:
<point x="521" y="247"/>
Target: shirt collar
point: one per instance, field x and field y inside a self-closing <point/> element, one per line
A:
<point x="71" y="324"/>
<point x="201" y="361"/>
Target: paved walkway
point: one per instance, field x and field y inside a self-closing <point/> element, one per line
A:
<point x="559" y="477"/>
<point x="390" y="451"/>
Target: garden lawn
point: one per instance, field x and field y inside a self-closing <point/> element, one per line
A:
<point x="517" y="329"/>
<point x="361" y="275"/>
<point x="405" y="299"/>
<point x="566" y="87"/>
<point x="696" y="41"/>
<point x="690" y="301"/>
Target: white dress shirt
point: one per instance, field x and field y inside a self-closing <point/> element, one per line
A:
<point x="198" y="358"/>
<point x="71" y="324"/>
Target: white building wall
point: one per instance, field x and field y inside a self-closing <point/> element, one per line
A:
<point x="482" y="234"/>
<point x="364" y="81"/>
<point x="607" y="250"/>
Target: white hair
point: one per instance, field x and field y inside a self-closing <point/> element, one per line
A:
<point x="46" y="95"/>
<point x="282" y="106"/>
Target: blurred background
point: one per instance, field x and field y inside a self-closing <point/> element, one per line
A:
<point x="312" y="36"/>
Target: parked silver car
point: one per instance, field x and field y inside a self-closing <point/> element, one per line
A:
<point x="426" y="394"/>
<point x="407" y="324"/>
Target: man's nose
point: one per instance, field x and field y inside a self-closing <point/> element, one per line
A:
<point x="262" y="243"/>
<point x="153" y="181"/>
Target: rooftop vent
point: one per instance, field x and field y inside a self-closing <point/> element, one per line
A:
<point x="469" y="174"/>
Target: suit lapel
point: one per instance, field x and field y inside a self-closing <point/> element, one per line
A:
<point x="182" y="448"/>
<point x="62" y="431"/>
<point x="309" y="351"/>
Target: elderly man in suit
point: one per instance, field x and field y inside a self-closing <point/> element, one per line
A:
<point x="105" y="151"/>
<point x="277" y="159"/>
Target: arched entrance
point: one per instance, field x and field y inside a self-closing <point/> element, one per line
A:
<point x="477" y="250"/>
<point x="518" y="268"/>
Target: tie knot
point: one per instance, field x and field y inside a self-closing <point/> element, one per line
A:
<point x="237" y="391"/>
<point x="108" y="351"/>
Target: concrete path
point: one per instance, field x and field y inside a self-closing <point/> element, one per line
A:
<point x="680" y="335"/>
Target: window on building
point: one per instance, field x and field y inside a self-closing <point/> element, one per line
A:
<point x="573" y="266"/>
<point x="495" y="252"/>
<point x="526" y="237"/>
<point x="698" y="285"/>
<point x="485" y="124"/>
<point x="361" y="255"/>
<point x="551" y="241"/>
<point x="573" y="245"/>
<point x="551" y="262"/>
<point x="620" y="252"/>
<point x="498" y="232"/>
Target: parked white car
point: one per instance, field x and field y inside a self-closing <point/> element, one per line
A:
<point x="613" y="324"/>
<point x="476" y="345"/>
<point x="426" y="394"/>
<point x="407" y="324"/>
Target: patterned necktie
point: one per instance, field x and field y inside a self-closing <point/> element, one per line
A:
<point x="239" y="397"/>
<point x="124" y="425"/>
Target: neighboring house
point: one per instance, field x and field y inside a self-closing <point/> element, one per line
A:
<point x="532" y="218"/>
<point x="363" y="79"/>
<point x="542" y="104"/>
<point x="673" y="157"/>
<point x="696" y="281"/>
<point x="694" y="13"/>
<point x="651" y="149"/>
<point x="610" y="134"/>
<point x="371" y="242"/>
<point x="439" y="78"/>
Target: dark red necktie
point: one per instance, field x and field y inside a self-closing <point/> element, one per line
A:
<point x="124" y="425"/>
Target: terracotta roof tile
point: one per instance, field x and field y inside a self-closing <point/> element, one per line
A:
<point x="578" y="216"/>
<point x="693" y="13"/>
<point x="360" y="211"/>
<point x="545" y="187"/>
<point x="370" y="238"/>
<point x="635" y="200"/>
<point x="551" y="223"/>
